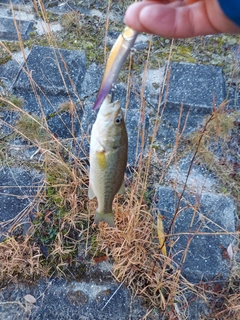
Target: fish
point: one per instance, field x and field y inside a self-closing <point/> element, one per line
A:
<point x="108" y="158"/>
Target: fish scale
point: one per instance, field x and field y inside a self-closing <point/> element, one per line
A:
<point x="108" y="158"/>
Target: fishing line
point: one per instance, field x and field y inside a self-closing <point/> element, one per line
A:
<point x="112" y="295"/>
<point x="113" y="90"/>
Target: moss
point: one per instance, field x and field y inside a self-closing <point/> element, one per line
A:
<point x="184" y="53"/>
<point x="17" y="101"/>
<point x="4" y="55"/>
<point x="4" y="58"/>
<point x="31" y="34"/>
<point x="156" y="85"/>
<point x="32" y="128"/>
<point x="13" y="46"/>
<point x="71" y="22"/>
<point x="48" y="16"/>
<point x="148" y="196"/>
<point x="205" y="50"/>
<point x="11" y="99"/>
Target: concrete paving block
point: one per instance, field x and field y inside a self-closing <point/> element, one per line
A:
<point x="8" y="29"/>
<point x="80" y="146"/>
<point x="153" y="81"/>
<point x="89" y="115"/>
<point x="199" y="179"/>
<point x="62" y="300"/>
<point x="234" y="98"/>
<point x="12" y="1"/>
<point x="197" y="309"/>
<point x="130" y="102"/>
<point x="18" y="188"/>
<point x="22" y="150"/>
<point x="7" y="120"/>
<point x="54" y="71"/>
<point x="64" y="125"/>
<point x="39" y="104"/>
<point x="190" y="87"/>
<point x="168" y="127"/>
<point x="201" y="230"/>
<point x="195" y="86"/>
<point x="61" y="124"/>
<point x="137" y="128"/>
<point x="92" y="80"/>
<point x="9" y="72"/>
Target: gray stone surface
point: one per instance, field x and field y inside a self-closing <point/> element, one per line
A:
<point x="53" y="71"/>
<point x="40" y="104"/>
<point x="132" y="101"/>
<point x="8" y="30"/>
<point x="12" y="1"/>
<point x="199" y="179"/>
<point x="64" y="125"/>
<point x="7" y="120"/>
<point x="234" y="98"/>
<point x="92" y="81"/>
<point x="18" y="189"/>
<point x="153" y="81"/>
<point x="137" y="127"/>
<point x="198" y="309"/>
<point x="201" y="230"/>
<point x="22" y="150"/>
<point x="168" y="127"/>
<point x="140" y="43"/>
<point x="9" y="72"/>
<point x="58" y="299"/>
<point x="190" y="86"/>
<point x="61" y="7"/>
<point x="196" y="86"/>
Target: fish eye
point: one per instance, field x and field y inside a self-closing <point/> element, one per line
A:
<point x="118" y="119"/>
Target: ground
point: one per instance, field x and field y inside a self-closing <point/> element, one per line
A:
<point x="176" y="241"/>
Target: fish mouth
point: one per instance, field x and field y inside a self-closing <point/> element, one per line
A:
<point x="108" y="108"/>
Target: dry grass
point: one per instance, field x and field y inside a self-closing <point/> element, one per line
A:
<point x="20" y="256"/>
<point x="134" y="247"/>
<point x="64" y="214"/>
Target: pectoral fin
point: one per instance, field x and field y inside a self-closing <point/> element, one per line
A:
<point x="101" y="159"/>
<point x="122" y="188"/>
<point x="91" y="194"/>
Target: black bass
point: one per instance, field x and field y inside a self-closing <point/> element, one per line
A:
<point x="108" y="158"/>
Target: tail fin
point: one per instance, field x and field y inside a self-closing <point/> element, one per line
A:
<point x="106" y="217"/>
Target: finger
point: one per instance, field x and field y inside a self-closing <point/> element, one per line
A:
<point x="132" y="16"/>
<point x="186" y="2"/>
<point x="177" y="21"/>
<point x="168" y="20"/>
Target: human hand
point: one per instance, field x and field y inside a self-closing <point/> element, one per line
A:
<point x="179" y="18"/>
